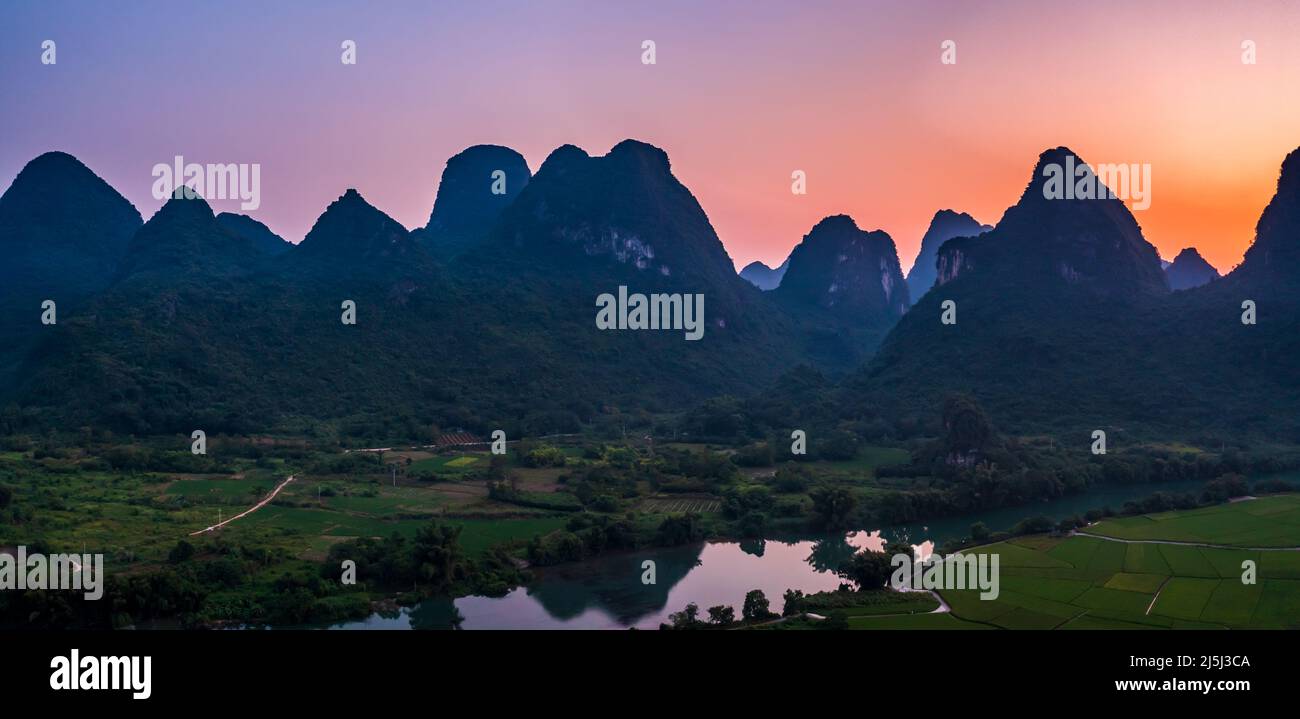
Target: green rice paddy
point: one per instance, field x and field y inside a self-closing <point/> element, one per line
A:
<point x="1083" y="582"/>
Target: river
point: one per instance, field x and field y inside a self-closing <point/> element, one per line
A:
<point x="608" y="592"/>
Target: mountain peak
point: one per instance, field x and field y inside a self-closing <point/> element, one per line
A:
<point x="621" y="218"/>
<point x="1274" y="256"/>
<point x="632" y="153"/>
<point x="1087" y="242"/>
<point x="1055" y="155"/>
<point x="563" y="158"/>
<point x="477" y="184"/>
<point x="946" y="225"/>
<point x="764" y="277"/>
<point x="179" y="205"/>
<point x="841" y="267"/>
<point x="1189" y="254"/>
<point x="1061" y="161"/>
<point x="834" y="226"/>
<point x="351" y="201"/>
<point x="51" y="174"/>
<point x="59" y="208"/>
<point x="352" y="229"/>
<point x="55" y="160"/>
<point x="1289" y="178"/>
<point x="1189" y="270"/>
<point x="184" y="235"/>
<point x="642" y="152"/>
<point x="63" y="234"/>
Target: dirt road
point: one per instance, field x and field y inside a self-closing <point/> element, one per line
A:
<point x="250" y="510"/>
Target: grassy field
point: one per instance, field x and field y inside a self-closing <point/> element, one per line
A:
<point x="868" y="459"/>
<point x="1081" y="582"/>
<point x="137" y="518"/>
<point x="913" y="621"/>
<point x="1274" y="522"/>
<point x="449" y="463"/>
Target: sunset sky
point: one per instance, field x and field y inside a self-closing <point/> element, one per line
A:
<point x="743" y="93"/>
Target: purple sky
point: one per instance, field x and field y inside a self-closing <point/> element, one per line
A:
<point x="743" y="93"/>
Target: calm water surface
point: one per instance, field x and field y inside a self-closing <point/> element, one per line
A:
<point x="607" y="593"/>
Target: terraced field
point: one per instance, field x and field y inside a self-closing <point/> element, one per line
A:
<point x="672" y="505"/>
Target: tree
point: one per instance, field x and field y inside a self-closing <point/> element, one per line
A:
<point x="181" y="552"/>
<point x="688" y="618"/>
<point x="754" y="455"/>
<point x="868" y="570"/>
<point x="679" y="529"/>
<point x="839" y="445"/>
<point x="546" y="456"/>
<point x="722" y="615"/>
<point x="979" y="531"/>
<point x="737" y="501"/>
<point x="753" y="524"/>
<point x="833" y="506"/>
<point x="1224" y="488"/>
<point x="756" y="607"/>
<point x="966" y="427"/>
<point x="1070" y="524"/>
<point x="497" y="468"/>
<point x="791" y="478"/>
<point x="1033" y="525"/>
<point x="793" y="603"/>
<point x="438" y="557"/>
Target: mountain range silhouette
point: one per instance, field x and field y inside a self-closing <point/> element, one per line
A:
<point x="484" y="317"/>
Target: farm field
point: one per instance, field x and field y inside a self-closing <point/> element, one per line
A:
<point x="1271" y="522"/>
<point x="667" y="505"/>
<point x="453" y="463"/>
<point x="913" y="621"/>
<point x="137" y="518"/>
<point x="386" y="510"/>
<point x="868" y="459"/>
<point x="1082" y="582"/>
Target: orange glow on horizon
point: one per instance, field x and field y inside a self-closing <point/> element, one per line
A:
<point x="743" y="94"/>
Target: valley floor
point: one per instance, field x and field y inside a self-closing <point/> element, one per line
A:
<point x="1162" y="575"/>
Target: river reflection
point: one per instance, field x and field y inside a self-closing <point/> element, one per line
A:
<point x="607" y="592"/>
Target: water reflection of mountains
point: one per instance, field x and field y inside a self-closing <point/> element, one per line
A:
<point x="613" y="584"/>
